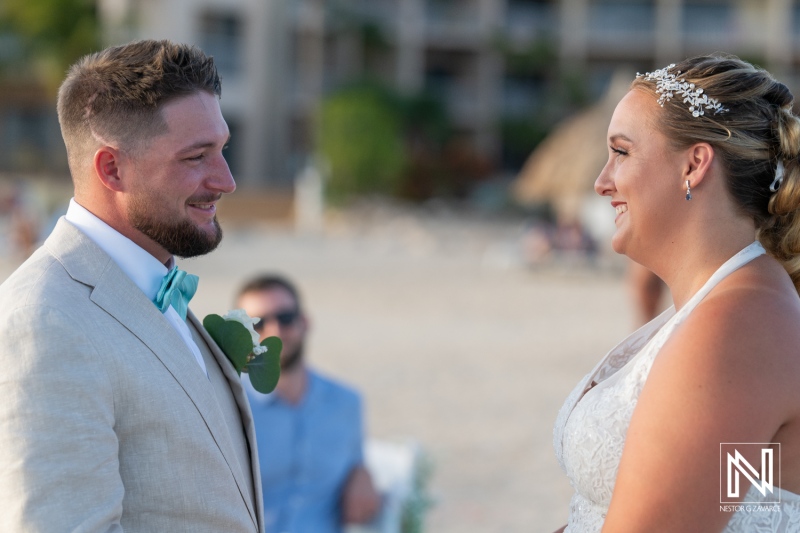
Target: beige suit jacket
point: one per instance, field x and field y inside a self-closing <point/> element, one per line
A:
<point x="107" y="422"/>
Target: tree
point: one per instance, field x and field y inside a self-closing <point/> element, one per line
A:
<point x="361" y="139"/>
<point x="49" y="36"/>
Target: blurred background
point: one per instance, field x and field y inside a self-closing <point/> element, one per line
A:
<point x="424" y="170"/>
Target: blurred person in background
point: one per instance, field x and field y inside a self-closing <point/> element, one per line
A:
<point x="24" y="228"/>
<point x="119" y="412"/>
<point x="704" y="176"/>
<point x="309" y="430"/>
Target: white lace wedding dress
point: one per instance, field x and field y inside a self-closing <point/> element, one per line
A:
<point x="590" y="429"/>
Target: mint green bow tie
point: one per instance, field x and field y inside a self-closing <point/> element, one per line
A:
<point x="177" y="288"/>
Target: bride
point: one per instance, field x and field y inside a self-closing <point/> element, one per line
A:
<point x="704" y="176"/>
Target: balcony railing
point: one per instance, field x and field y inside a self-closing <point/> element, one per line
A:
<point x="527" y="20"/>
<point x="706" y="24"/>
<point x="450" y="19"/>
<point x="621" y="21"/>
<point x="380" y="11"/>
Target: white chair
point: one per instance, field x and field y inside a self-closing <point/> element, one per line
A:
<point x="393" y="467"/>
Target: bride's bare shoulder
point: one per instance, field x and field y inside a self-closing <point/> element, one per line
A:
<point x="758" y="301"/>
<point x="745" y="330"/>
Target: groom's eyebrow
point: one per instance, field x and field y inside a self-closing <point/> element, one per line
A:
<point x="201" y="144"/>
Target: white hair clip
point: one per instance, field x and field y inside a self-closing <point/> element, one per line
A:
<point x="668" y="85"/>
<point x="776" y="183"/>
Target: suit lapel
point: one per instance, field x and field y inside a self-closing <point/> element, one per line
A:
<point x="235" y="382"/>
<point x="116" y="293"/>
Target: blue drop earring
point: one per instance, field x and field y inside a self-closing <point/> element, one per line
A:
<point x="688" y="190"/>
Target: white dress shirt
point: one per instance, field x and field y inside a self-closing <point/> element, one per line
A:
<point x="144" y="270"/>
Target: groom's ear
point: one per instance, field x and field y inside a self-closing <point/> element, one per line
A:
<point x="107" y="163"/>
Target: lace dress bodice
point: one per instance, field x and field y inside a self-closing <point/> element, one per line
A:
<point x="591" y="427"/>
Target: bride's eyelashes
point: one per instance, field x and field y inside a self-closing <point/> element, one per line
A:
<point x="618" y="151"/>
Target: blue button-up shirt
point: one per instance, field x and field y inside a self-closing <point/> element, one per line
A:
<point x="306" y="453"/>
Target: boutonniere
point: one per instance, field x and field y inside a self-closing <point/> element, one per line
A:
<point x="235" y="335"/>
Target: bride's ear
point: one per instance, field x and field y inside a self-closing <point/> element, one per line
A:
<point x="699" y="158"/>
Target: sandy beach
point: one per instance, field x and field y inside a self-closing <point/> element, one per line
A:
<point x="452" y="342"/>
<point x="451" y="339"/>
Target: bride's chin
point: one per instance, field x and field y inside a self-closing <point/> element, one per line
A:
<point x="617" y="244"/>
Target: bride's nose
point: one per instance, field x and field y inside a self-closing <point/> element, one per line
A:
<point x="604" y="184"/>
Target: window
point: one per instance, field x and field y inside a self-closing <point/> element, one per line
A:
<point x="796" y="18"/>
<point x="525" y="16"/>
<point x="459" y="13"/>
<point x="612" y="18"/>
<point x="451" y="77"/>
<point x="522" y="94"/>
<point x="221" y="37"/>
<point x="705" y="17"/>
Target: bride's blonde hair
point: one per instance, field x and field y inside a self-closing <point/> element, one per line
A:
<point x="757" y="130"/>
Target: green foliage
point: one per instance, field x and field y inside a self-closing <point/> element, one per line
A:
<point x="265" y="369"/>
<point x="232" y="337"/>
<point x="574" y="89"/>
<point x="538" y="56"/>
<point x="420" y="500"/>
<point x="424" y="117"/>
<point x="360" y="137"/>
<point x="378" y="141"/>
<point x="442" y="162"/>
<point x="519" y="136"/>
<point x="236" y="342"/>
<point x="342" y="17"/>
<point x="373" y="37"/>
<point x="54" y="33"/>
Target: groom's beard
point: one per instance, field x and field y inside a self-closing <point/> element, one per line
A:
<point x="291" y="360"/>
<point x="178" y="236"/>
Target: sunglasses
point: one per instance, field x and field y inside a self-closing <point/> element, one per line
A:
<point x="284" y="318"/>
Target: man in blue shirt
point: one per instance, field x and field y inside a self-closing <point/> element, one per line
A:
<point x="309" y="430"/>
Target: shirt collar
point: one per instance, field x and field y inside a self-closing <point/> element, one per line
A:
<point x="144" y="270"/>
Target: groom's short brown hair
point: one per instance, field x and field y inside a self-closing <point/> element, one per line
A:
<point x="115" y="96"/>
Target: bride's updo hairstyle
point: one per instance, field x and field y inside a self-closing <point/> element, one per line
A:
<point x="752" y="129"/>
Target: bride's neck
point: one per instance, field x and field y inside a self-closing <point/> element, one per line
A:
<point x="691" y="264"/>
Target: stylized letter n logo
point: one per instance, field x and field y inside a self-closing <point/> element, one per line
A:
<point x="738" y="464"/>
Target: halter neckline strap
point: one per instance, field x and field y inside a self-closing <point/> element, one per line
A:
<point x="744" y="256"/>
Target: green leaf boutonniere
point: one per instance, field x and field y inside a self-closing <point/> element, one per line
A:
<point x="236" y="337"/>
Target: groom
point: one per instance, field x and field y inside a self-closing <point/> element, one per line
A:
<point x="117" y="410"/>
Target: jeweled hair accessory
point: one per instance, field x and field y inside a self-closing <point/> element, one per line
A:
<point x="669" y="84"/>
<point x="776" y="183"/>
